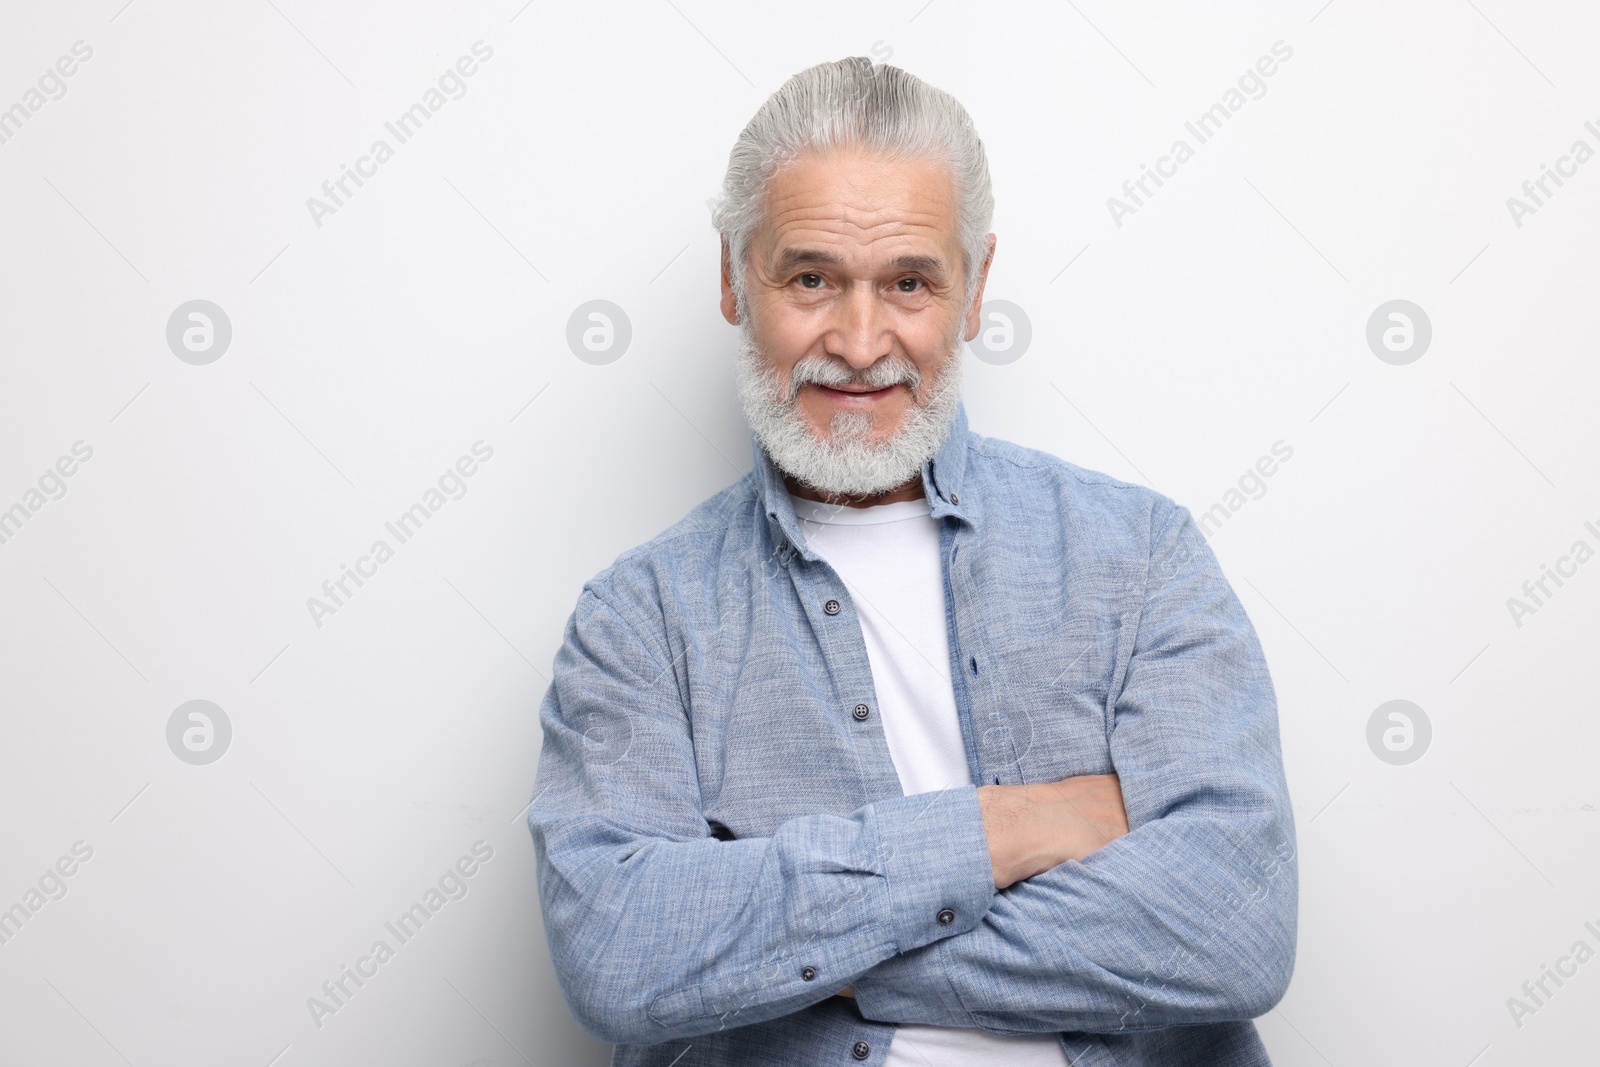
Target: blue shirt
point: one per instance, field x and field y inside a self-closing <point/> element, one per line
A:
<point x="722" y="840"/>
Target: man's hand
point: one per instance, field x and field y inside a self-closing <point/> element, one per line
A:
<point x="1032" y="828"/>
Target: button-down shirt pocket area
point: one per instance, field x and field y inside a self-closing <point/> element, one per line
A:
<point x="779" y="751"/>
<point x="771" y="719"/>
<point x="1054" y="691"/>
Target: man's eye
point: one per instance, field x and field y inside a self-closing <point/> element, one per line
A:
<point x="909" y="285"/>
<point x="811" y="281"/>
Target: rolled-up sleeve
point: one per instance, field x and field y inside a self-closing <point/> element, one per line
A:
<point x="659" y="931"/>
<point x="1188" y="919"/>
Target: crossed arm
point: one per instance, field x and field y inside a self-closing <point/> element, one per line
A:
<point x="1062" y="923"/>
<point x="1032" y="828"/>
<point x="1130" y="938"/>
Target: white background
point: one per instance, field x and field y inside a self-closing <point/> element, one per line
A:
<point x="369" y="352"/>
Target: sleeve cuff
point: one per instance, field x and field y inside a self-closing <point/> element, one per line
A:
<point x="935" y="860"/>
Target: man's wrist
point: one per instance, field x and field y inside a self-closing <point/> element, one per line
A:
<point x="1019" y="844"/>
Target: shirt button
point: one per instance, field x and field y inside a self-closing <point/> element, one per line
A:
<point x="831" y="607"/>
<point x="861" y="712"/>
<point x="946" y="917"/>
<point x="954" y="499"/>
<point x="807" y="973"/>
<point x="861" y="1050"/>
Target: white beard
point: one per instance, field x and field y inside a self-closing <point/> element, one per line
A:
<point x="847" y="462"/>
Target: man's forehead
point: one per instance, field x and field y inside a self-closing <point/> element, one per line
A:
<point x="820" y="203"/>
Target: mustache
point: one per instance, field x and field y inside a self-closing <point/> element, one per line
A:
<point x="820" y="370"/>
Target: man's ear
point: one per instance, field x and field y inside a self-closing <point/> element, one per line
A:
<point x="974" y="313"/>
<point x="730" y="306"/>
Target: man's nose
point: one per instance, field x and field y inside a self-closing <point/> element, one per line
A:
<point x="859" y="331"/>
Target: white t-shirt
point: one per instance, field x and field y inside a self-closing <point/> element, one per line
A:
<point x="888" y="557"/>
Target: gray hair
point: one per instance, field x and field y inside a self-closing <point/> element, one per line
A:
<point x="855" y="103"/>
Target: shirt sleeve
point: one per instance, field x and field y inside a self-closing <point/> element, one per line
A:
<point x="659" y="931"/>
<point x="1189" y="918"/>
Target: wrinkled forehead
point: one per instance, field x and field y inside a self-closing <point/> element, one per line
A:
<point x="859" y="207"/>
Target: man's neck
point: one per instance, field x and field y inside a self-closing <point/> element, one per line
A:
<point x="911" y="490"/>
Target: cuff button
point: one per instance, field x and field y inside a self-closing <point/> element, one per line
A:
<point x="946" y="917"/>
<point x="807" y="973"/>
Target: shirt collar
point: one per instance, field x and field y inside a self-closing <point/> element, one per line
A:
<point x="941" y="486"/>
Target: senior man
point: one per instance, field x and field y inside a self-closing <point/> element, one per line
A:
<point x="913" y="746"/>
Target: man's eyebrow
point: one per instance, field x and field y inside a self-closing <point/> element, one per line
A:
<point x="810" y="257"/>
<point x="924" y="263"/>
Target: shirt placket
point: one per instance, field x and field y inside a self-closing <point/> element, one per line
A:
<point x="985" y="729"/>
<point x="821" y="595"/>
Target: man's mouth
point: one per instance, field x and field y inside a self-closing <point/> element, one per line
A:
<point x="854" y="392"/>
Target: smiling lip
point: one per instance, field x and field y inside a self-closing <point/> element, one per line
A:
<point x="854" y="394"/>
